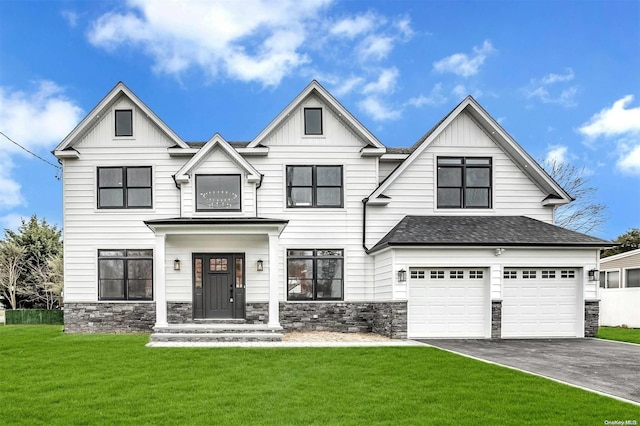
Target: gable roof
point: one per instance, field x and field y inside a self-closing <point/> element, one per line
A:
<point x="619" y="256"/>
<point x="492" y="231"/>
<point x="315" y="88"/>
<point x="555" y="193"/>
<point x="217" y="141"/>
<point x="104" y="105"/>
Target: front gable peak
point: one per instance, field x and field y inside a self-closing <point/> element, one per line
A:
<point x="216" y="142"/>
<point x="315" y="89"/>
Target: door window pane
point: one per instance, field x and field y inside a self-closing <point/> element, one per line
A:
<point x="198" y="273"/>
<point x="239" y="273"/>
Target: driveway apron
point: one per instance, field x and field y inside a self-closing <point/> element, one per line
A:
<point x="604" y="366"/>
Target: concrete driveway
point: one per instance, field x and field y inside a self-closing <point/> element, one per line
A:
<point x="612" y="368"/>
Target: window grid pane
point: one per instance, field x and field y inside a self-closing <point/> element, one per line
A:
<point x="314" y="186"/>
<point x="125" y="274"/>
<point x="124" y="187"/>
<point x="315" y="274"/>
<point x="464" y="182"/>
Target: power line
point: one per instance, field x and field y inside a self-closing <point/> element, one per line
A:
<point x="30" y="152"/>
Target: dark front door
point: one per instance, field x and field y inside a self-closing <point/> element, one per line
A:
<point x="218" y="285"/>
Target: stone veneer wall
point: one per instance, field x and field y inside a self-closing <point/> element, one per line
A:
<point x="496" y="319"/>
<point x="591" y="317"/>
<point x="385" y="318"/>
<point x="179" y="312"/>
<point x="130" y="317"/>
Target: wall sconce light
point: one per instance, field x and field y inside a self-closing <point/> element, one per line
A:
<point x="259" y="265"/>
<point x="402" y="276"/>
<point x="594" y="275"/>
<point x="176" y="265"/>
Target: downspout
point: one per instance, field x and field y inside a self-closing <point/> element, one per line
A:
<point x="364" y="225"/>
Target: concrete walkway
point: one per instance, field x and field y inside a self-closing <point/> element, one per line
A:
<point x="602" y="366"/>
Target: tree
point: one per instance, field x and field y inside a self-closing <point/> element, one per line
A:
<point x="48" y="288"/>
<point x="41" y="243"/>
<point x="584" y="214"/>
<point x="630" y="240"/>
<point x="12" y="258"/>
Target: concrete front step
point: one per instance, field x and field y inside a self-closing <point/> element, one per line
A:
<point x="216" y="337"/>
<point x="216" y="328"/>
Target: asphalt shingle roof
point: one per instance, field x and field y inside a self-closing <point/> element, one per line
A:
<point x="482" y="231"/>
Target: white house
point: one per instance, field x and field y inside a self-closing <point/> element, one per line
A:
<point x="620" y="289"/>
<point x="316" y="225"/>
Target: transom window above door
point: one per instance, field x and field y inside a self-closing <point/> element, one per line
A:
<point x="314" y="186"/>
<point x="218" y="193"/>
<point x="124" y="187"/>
<point x="464" y="182"/>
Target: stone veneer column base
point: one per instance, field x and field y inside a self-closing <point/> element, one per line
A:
<point x="105" y="317"/>
<point x="591" y="317"/>
<point x="496" y="319"/>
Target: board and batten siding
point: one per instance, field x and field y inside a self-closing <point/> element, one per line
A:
<point x="413" y="192"/>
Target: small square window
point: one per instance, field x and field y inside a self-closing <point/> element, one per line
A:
<point x="417" y="275"/>
<point x="528" y="274"/>
<point x="124" y="122"/>
<point x="548" y="274"/>
<point x="476" y="274"/>
<point x="313" y="121"/>
<point x="567" y="274"/>
<point x="510" y="275"/>
<point x="436" y="275"/>
<point x="456" y="275"/>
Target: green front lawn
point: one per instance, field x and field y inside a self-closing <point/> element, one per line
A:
<point x="631" y="335"/>
<point x="52" y="378"/>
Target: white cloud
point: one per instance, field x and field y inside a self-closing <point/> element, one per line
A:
<point x="463" y="64"/>
<point x="11" y="221"/>
<point x="613" y="121"/>
<point x="404" y="26"/>
<point x="557" y="154"/>
<point x="373" y="106"/>
<point x="460" y="91"/>
<point x="37" y="120"/>
<point x="540" y="88"/>
<point x="629" y="161"/>
<point x="435" y="97"/>
<point x="253" y="40"/>
<point x="71" y="17"/>
<point x="347" y="86"/>
<point x="352" y="27"/>
<point x="375" y="47"/>
<point x="386" y="82"/>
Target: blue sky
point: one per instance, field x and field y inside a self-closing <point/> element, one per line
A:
<point x="562" y="77"/>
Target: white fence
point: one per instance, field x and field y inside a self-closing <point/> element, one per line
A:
<point x="620" y="306"/>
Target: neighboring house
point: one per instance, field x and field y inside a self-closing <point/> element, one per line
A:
<point x="620" y="289"/>
<point x="316" y="225"/>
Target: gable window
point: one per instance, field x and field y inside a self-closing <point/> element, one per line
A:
<point x="124" y="187"/>
<point x="313" y="121"/>
<point x="314" y="186"/>
<point x="125" y="274"/>
<point x="218" y="193"/>
<point x="124" y="122"/>
<point x="464" y="182"/>
<point x="315" y="274"/>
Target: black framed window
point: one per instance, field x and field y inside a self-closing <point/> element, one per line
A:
<point x="313" y="121"/>
<point x="315" y="274"/>
<point x="314" y="186"/>
<point x="464" y="182"/>
<point x="218" y="193"/>
<point x="124" y="187"/>
<point x="633" y="277"/>
<point x="125" y="274"/>
<point x="124" y="122"/>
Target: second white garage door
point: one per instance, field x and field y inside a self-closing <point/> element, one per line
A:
<point x="448" y="303"/>
<point x="540" y="302"/>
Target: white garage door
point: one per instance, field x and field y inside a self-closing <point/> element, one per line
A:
<point x="540" y="302"/>
<point x="447" y="303"/>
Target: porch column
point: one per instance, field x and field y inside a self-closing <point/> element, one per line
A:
<point x="160" y="292"/>
<point x="274" y="307"/>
